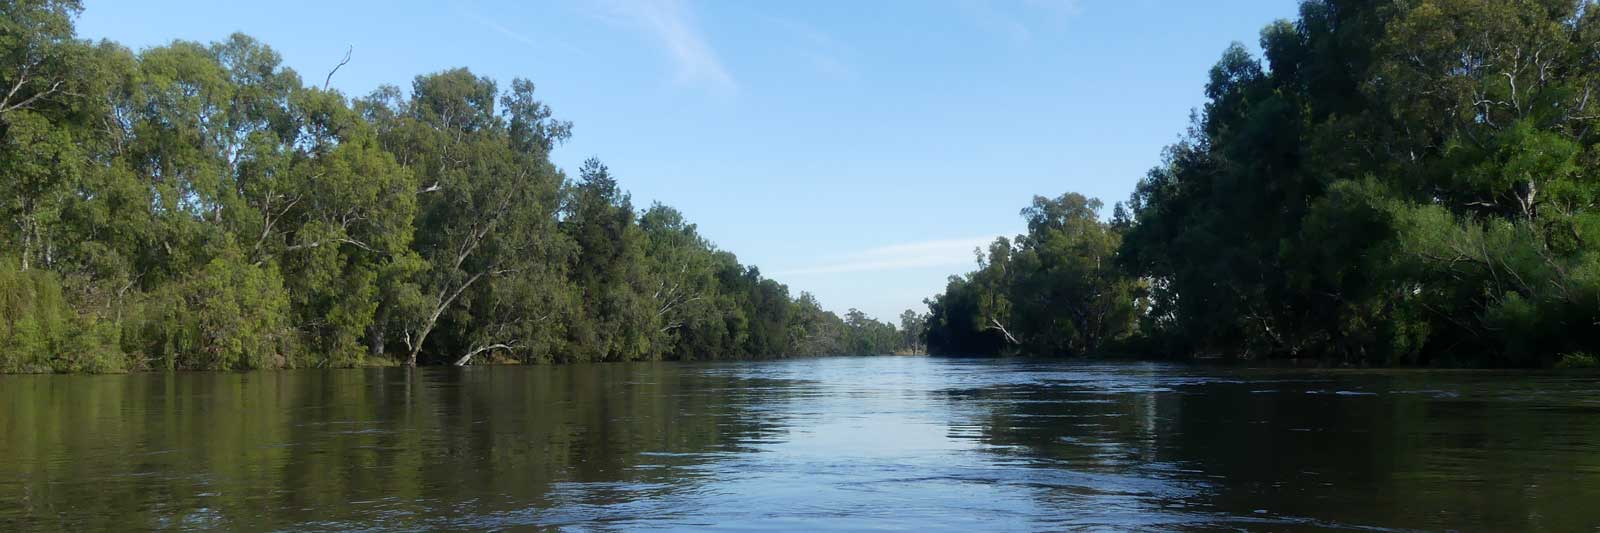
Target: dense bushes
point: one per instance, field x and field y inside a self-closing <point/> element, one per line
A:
<point x="41" y="332"/>
<point x="228" y="315"/>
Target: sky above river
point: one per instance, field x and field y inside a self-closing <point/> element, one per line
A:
<point x="859" y="151"/>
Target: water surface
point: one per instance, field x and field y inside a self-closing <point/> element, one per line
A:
<point x="900" y="443"/>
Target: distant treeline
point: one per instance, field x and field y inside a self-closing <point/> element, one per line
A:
<point x="196" y="206"/>
<point x="1394" y="183"/>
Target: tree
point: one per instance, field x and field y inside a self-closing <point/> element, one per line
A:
<point x="485" y="210"/>
<point x="1056" y="290"/>
<point x="913" y="329"/>
<point x="197" y="206"/>
<point x="1404" y="183"/>
<point x="610" y="272"/>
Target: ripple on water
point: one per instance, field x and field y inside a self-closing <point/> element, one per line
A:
<point x="820" y="444"/>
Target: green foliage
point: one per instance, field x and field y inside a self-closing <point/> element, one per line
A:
<point x="1396" y="183"/>
<point x="36" y="319"/>
<point x="1053" y="291"/>
<point x="196" y="206"/>
<point x="43" y="333"/>
<point x="610" y="271"/>
<point x="1577" y="360"/>
<point x="230" y="315"/>
<point x="1402" y="183"/>
<point x="913" y="331"/>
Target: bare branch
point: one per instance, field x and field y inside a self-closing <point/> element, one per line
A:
<point x="25" y="103"/>
<point x="342" y="63"/>
<point x="1003" y="330"/>
<point x="467" y="359"/>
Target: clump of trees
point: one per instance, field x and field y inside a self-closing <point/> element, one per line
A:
<point x="1055" y="290"/>
<point x="1391" y="183"/>
<point x="199" y="206"/>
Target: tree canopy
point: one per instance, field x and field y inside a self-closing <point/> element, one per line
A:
<point x="1392" y="182"/>
<point x="199" y="206"/>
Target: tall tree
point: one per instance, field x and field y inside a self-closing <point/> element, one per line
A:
<point x="1402" y="183"/>
<point x="1055" y="290"/>
<point x="485" y="208"/>
<point x="610" y="271"/>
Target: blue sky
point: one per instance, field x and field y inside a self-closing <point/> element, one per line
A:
<point x="858" y="150"/>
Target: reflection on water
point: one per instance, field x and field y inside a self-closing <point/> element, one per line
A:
<point x="847" y="443"/>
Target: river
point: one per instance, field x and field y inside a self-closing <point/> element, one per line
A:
<point x="909" y="443"/>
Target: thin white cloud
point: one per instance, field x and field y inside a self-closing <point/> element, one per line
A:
<point x="672" y="25"/>
<point x="1059" y="8"/>
<point x="935" y="253"/>
<point x="995" y="20"/>
<point x="1020" y="21"/>
<point x="824" y="53"/>
<point x="521" y="37"/>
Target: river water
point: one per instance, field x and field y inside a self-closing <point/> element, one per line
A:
<point x="899" y="443"/>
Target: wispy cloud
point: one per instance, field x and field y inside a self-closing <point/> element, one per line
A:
<point x="935" y="253"/>
<point x="542" y="45"/>
<point x="995" y="20"/>
<point x="1058" y="8"/>
<point x="671" y="23"/>
<point x="1019" y="21"/>
<point x="824" y="53"/>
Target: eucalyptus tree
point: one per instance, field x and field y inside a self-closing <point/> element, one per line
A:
<point x="1397" y="183"/>
<point x="40" y="158"/>
<point x="683" y="290"/>
<point x="486" y="200"/>
<point x="1055" y="290"/>
<point x="868" y="336"/>
<point x="1068" y="297"/>
<point x="200" y="206"/>
<point x="913" y="329"/>
<point x="610" y="272"/>
<point x="814" y="330"/>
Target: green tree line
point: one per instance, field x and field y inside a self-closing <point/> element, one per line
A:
<point x="1393" y="182"/>
<point x="201" y="206"/>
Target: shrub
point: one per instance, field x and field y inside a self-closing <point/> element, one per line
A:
<point x="41" y="332"/>
<point x="231" y="315"/>
<point x="1577" y="360"/>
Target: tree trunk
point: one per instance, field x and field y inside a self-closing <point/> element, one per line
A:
<point x="465" y="359"/>
<point x="411" y="360"/>
<point x="27" y="245"/>
<point x="376" y="335"/>
<point x="433" y="320"/>
<point x="376" y="342"/>
<point x="1003" y="331"/>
